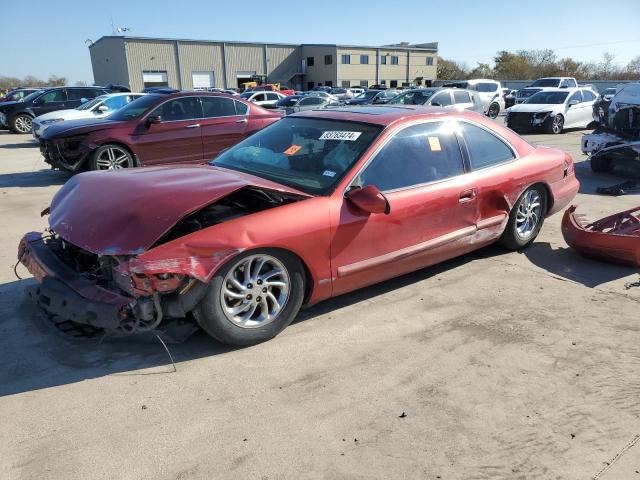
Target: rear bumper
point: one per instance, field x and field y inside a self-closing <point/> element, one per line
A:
<point x="563" y="193"/>
<point x="62" y="291"/>
<point x="592" y="242"/>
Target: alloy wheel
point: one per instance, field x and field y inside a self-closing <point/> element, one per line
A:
<point x="23" y="124"/>
<point x="255" y="291"/>
<point x="112" y="158"/>
<point x="529" y="214"/>
<point x="557" y="124"/>
<point x="494" y="109"/>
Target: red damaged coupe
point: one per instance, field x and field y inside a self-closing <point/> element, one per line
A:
<point x="313" y="206"/>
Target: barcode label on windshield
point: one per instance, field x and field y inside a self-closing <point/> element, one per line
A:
<point x="337" y="135"/>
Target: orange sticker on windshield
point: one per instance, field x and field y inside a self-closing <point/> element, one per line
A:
<point x="292" y="149"/>
<point x="434" y="144"/>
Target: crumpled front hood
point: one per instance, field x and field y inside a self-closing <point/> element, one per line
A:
<point x="124" y="212"/>
<point x="70" y="128"/>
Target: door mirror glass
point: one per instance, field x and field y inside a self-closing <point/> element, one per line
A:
<point x="84" y="100"/>
<point x="103" y="108"/>
<point x="154" y="119"/>
<point x="369" y="199"/>
<point x="573" y="102"/>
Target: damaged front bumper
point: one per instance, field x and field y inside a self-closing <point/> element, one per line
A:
<point x="615" y="238"/>
<point x="66" y="154"/>
<point x="115" y="299"/>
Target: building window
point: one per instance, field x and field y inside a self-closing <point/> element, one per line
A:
<point x="364" y="83"/>
<point x="346" y="59"/>
<point x="328" y="83"/>
<point x="383" y="59"/>
<point x="364" y="59"/>
<point x="310" y="85"/>
<point x="394" y="60"/>
<point x="429" y="60"/>
<point x="393" y="83"/>
<point x="309" y="61"/>
<point x="345" y="83"/>
<point x="328" y="59"/>
<point x="383" y="82"/>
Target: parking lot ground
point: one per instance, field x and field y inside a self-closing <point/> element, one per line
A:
<point x="495" y="365"/>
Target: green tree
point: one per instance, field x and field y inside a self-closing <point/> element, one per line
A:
<point x="451" y="70"/>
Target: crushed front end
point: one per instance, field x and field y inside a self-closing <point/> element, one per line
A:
<point x="615" y="238"/>
<point x="64" y="153"/>
<point x="99" y="290"/>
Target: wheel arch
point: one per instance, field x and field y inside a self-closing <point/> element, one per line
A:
<point x="113" y="142"/>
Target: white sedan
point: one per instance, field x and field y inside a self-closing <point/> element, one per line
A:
<point x="263" y="98"/>
<point x="99" y="107"/>
<point x="553" y="110"/>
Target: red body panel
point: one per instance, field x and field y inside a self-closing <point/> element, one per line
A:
<point x="615" y="238"/>
<point x="342" y="248"/>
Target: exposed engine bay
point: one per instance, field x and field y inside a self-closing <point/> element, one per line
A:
<point x="104" y="291"/>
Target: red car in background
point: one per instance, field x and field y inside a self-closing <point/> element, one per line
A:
<point x="183" y="127"/>
<point x="316" y="205"/>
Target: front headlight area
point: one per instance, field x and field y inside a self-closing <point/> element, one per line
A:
<point x="540" y="117"/>
<point x="51" y="121"/>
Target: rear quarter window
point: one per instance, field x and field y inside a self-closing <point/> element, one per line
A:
<point x="485" y="148"/>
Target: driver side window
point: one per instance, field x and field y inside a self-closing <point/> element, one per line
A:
<point x="187" y="108"/>
<point x="419" y="154"/>
<point x="576" y="96"/>
<point x="52" y="96"/>
<point x="443" y="99"/>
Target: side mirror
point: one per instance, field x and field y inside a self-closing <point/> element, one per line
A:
<point x="573" y="102"/>
<point x="154" y="119"/>
<point x="369" y="199"/>
<point x="435" y="104"/>
<point x="84" y="100"/>
<point x="103" y="108"/>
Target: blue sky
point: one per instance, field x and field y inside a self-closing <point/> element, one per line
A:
<point x="50" y="39"/>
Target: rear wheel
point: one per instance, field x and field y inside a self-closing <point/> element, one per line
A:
<point x="253" y="297"/>
<point x="555" y="124"/>
<point x="22" y="123"/>
<point x="111" y="157"/>
<point x="601" y="164"/>
<point x="494" y="110"/>
<point x="526" y="219"/>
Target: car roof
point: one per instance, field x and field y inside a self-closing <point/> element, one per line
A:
<point x="381" y="115"/>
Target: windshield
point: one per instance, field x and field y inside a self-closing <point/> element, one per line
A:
<point x="546" y="82"/>
<point x="310" y="155"/>
<point x="548" y="97"/>
<point x="368" y="94"/>
<point x="415" y="97"/>
<point x="91" y="103"/>
<point x="287" y="101"/>
<point x="134" y="109"/>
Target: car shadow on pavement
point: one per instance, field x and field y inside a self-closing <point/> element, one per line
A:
<point x="35" y="355"/>
<point x="39" y="178"/>
<point x="565" y="263"/>
<point x="589" y="181"/>
<point x="27" y="144"/>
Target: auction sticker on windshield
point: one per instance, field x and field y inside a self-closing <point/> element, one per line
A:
<point x="338" y="135"/>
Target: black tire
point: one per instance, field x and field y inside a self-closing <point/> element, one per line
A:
<point x="601" y="164"/>
<point x="554" y="125"/>
<point x="21" y="123"/>
<point x="120" y="157"/>
<point x="511" y="238"/>
<point x="213" y="320"/>
<point x="493" y="111"/>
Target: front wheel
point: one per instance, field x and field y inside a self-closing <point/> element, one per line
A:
<point x="494" y="110"/>
<point x="526" y="219"/>
<point x="111" y="157"/>
<point x="555" y="125"/>
<point x="253" y="297"/>
<point x="22" y="123"/>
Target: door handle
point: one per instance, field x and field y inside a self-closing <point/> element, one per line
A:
<point x="193" y="125"/>
<point x="243" y="120"/>
<point x="468" y="195"/>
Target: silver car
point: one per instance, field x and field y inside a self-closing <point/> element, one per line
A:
<point x="457" y="98"/>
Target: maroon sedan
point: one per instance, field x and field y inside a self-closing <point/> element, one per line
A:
<point x="156" y="129"/>
<point x="316" y="205"/>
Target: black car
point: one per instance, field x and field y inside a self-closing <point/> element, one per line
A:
<point x="18" y="115"/>
<point x="369" y="97"/>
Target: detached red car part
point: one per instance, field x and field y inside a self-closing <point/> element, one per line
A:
<point x="615" y="238"/>
<point x="316" y="205"/>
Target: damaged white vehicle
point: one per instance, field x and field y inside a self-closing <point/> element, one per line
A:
<point x="619" y="137"/>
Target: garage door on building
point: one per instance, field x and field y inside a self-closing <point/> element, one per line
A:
<point x="203" y="80"/>
<point x="155" y="79"/>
